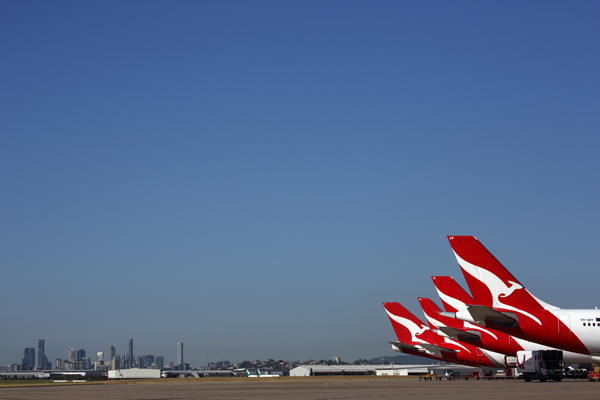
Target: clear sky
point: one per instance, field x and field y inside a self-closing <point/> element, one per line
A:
<point x="255" y="178"/>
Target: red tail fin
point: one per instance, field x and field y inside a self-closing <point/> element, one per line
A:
<point x="454" y="297"/>
<point x="406" y="325"/>
<point x="433" y="316"/>
<point x="431" y="311"/>
<point x="490" y="283"/>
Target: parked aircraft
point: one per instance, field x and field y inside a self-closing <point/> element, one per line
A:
<point x="249" y="375"/>
<point x="467" y="332"/>
<point x="266" y="375"/>
<point x="502" y="303"/>
<point x="416" y="338"/>
<point x="454" y="298"/>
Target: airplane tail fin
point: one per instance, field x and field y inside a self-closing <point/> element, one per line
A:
<point x="454" y="298"/>
<point x="491" y="284"/>
<point x="433" y="316"/>
<point x="431" y="311"/>
<point x="405" y="324"/>
<point x="446" y="326"/>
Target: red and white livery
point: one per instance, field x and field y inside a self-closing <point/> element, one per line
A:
<point x="416" y="338"/>
<point x="454" y="298"/>
<point x="502" y="303"/>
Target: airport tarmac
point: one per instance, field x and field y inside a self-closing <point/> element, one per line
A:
<point x="314" y="390"/>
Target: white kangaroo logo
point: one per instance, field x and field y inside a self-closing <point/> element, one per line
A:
<point x="451" y="301"/>
<point x="416" y="330"/>
<point x="410" y="325"/>
<point x="495" y="285"/>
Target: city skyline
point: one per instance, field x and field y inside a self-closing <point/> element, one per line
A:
<point x="206" y="172"/>
<point x="77" y="360"/>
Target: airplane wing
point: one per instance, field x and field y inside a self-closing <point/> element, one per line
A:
<point x="487" y="314"/>
<point x="405" y="346"/>
<point x="434" y="348"/>
<point x="422" y="347"/>
<point x="469" y="336"/>
<point x="480" y="314"/>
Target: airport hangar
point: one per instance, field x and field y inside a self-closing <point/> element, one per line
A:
<point x="399" y="370"/>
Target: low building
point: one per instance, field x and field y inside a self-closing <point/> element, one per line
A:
<point x="403" y="370"/>
<point x="134" y="373"/>
<point x="399" y="370"/>
<point x="24" y="375"/>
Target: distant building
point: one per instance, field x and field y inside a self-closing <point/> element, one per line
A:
<point x="80" y="354"/>
<point x="180" y="354"/>
<point x="41" y="353"/>
<point x="182" y="367"/>
<point x="15" y="367"/>
<point x="219" y="365"/>
<point x="113" y="352"/>
<point x="78" y="365"/>
<point x="72" y="355"/>
<point x="100" y="356"/>
<point x="45" y="363"/>
<point x="159" y="361"/>
<point x="29" y="359"/>
<point x="146" y="361"/>
<point x="100" y="366"/>
<point x="130" y="359"/>
<point x="134" y="373"/>
<point x="308" y="370"/>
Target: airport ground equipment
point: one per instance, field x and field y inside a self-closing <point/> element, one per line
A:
<point x="453" y="374"/>
<point x="426" y="377"/>
<point x="594" y="373"/>
<point x="542" y="365"/>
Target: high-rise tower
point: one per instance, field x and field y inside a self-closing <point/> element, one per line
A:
<point x="29" y="360"/>
<point x="130" y="359"/>
<point x="72" y="354"/>
<point x="180" y="354"/>
<point x="41" y="353"/>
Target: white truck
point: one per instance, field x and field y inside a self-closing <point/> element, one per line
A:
<point x="543" y="365"/>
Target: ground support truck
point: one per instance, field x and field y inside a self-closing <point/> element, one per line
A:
<point x="542" y="365"/>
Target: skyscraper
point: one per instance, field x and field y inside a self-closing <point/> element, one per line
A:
<point x="41" y="354"/>
<point x="72" y="355"/>
<point x="180" y="354"/>
<point x="130" y="360"/>
<point x="100" y="356"/>
<point x="146" y="361"/>
<point x="80" y="354"/>
<point x="113" y="352"/>
<point x="29" y="359"/>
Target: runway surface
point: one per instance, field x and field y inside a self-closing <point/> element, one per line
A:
<point x="314" y="390"/>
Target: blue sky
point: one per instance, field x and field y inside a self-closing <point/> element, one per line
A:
<point x="255" y="178"/>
